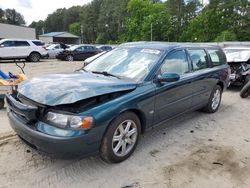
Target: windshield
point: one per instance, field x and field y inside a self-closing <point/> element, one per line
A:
<point x="133" y="63"/>
<point x="51" y="46"/>
<point x="72" y="48"/>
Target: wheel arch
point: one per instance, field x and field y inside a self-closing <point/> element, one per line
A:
<point x="35" y="52"/>
<point x="221" y="84"/>
<point x="137" y="112"/>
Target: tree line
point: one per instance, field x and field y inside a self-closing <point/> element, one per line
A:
<point x="112" y="21"/>
<point x="11" y="16"/>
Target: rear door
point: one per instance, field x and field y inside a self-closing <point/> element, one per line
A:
<point x="22" y="48"/>
<point x="203" y="78"/>
<point x="174" y="98"/>
<point x="90" y="51"/>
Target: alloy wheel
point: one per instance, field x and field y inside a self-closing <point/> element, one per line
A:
<point x="124" y="138"/>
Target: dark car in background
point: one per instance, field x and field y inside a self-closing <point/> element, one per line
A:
<point x="107" y="105"/>
<point x="78" y="53"/>
<point x="105" y="48"/>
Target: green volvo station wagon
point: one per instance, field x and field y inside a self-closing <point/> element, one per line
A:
<point x="105" y="107"/>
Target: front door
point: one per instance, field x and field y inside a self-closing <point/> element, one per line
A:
<point x="7" y="49"/>
<point x="173" y="98"/>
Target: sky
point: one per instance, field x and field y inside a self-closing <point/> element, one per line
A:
<point x="35" y="10"/>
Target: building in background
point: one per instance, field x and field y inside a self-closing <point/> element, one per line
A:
<point x="60" y="37"/>
<point x="13" y="31"/>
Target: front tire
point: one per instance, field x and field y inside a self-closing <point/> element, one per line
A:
<point x="214" y="100"/>
<point x="69" y="58"/>
<point x="121" y="138"/>
<point x="34" y="57"/>
<point x="245" y="91"/>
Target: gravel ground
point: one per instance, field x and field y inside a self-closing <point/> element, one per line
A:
<point x="195" y="150"/>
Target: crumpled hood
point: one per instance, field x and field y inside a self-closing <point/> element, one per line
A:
<point x="240" y="56"/>
<point x="57" y="89"/>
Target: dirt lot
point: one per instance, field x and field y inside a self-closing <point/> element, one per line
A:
<point x="196" y="150"/>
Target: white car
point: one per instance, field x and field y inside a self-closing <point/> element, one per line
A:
<point x="53" y="50"/>
<point x="31" y="50"/>
<point x="237" y="54"/>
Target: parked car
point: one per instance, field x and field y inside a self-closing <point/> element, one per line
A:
<point x="239" y="60"/>
<point x="31" y="50"/>
<point x="54" y="49"/>
<point x="107" y="106"/>
<point x="105" y="48"/>
<point x="78" y="52"/>
<point x="92" y="58"/>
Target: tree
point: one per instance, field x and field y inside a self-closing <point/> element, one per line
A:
<point x="13" y="17"/>
<point x="226" y="36"/>
<point x="39" y="26"/>
<point x="220" y="16"/>
<point x="145" y="15"/>
<point x="75" y="28"/>
<point x="112" y="20"/>
<point x="2" y="13"/>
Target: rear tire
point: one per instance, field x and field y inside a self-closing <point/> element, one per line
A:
<point x="1" y="103"/>
<point x="245" y="91"/>
<point x="214" y="100"/>
<point x="69" y="58"/>
<point x="34" y="57"/>
<point x="121" y="138"/>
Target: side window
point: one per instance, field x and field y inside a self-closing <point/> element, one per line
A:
<point x="79" y="49"/>
<point x="8" y="44"/>
<point x="176" y="62"/>
<point x="199" y="59"/>
<point x="21" y="43"/>
<point x="217" y="57"/>
<point x="38" y="43"/>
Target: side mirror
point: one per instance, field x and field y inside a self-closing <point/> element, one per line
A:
<point x="168" y="77"/>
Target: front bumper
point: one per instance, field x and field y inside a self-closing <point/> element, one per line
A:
<point x="56" y="146"/>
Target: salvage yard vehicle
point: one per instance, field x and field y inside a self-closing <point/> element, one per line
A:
<point x="30" y="50"/>
<point x="239" y="60"/>
<point x="78" y="52"/>
<point x="108" y="104"/>
<point x="54" y="49"/>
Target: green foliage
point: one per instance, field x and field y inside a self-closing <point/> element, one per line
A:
<point x="39" y="26"/>
<point x="145" y="15"/>
<point x="113" y="21"/>
<point x="219" y="16"/>
<point x="226" y="36"/>
<point x="75" y="28"/>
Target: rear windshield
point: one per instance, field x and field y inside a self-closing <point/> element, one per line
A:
<point x="38" y="43"/>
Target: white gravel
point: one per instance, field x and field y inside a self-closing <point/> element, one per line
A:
<point x="195" y="150"/>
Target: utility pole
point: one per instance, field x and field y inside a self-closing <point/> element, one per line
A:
<point x="81" y="34"/>
<point x="151" y="31"/>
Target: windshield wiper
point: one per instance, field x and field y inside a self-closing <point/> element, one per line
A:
<point x="105" y="73"/>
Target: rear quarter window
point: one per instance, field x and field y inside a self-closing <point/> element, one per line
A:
<point x="38" y="43"/>
<point x="217" y="57"/>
